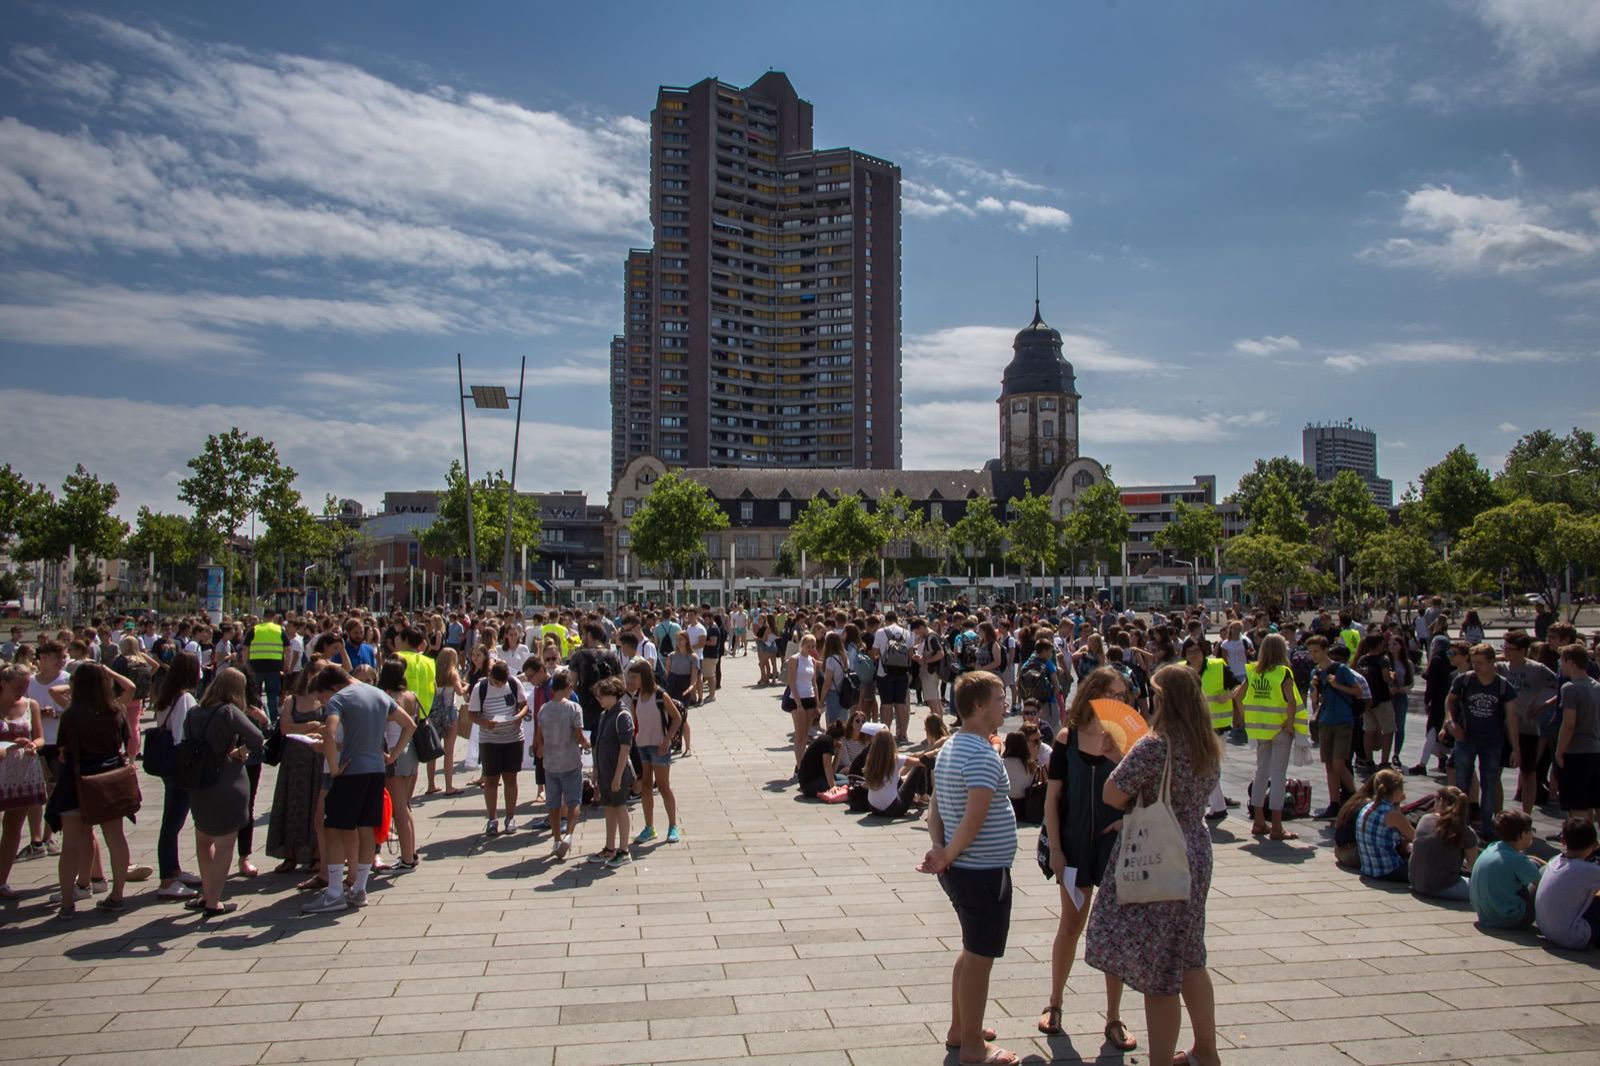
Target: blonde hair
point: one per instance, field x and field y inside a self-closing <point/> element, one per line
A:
<point x="227" y="687"/>
<point x="1181" y="717"/>
<point x="1274" y="653"/>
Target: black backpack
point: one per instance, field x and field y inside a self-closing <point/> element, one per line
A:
<point x="849" y="685"/>
<point x="1034" y="681"/>
<point x="197" y="765"/>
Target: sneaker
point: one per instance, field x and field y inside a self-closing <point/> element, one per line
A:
<point x="492" y="829"/>
<point x="536" y="826"/>
<point x="1216" y="816"/>
<point x="1418" y="770"/>
<point x="510" y="824"/>
<point x="7" y="892"/>
<point x="109" y="904"/>
<point x="140" y="872"/>
<point x="323" y="903"/>
<point x="78" y="892"/>
<point x="647" y="834"/>
<point x="187" y="878"/>
<point x="51" y="847"/>
<point x="32" y="851"/>
<point x="619" y="860"/>
<point x="356" y="899"/>
<point x="1328" y="813"/>
<point x="601" y="857"/>
<point x="673" y="836"/>
<point x="177" y="891"/>
<point x="561" y="850"/>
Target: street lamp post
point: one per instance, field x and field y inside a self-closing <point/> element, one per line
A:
<point x="511" y="494"/>
<point x="488" y="398"/>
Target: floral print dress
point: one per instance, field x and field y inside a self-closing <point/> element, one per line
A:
<point x="1150" y="945"/>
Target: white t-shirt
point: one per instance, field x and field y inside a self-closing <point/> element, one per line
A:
<point x="39" y="692"/>
<point x="297" y="653"/>
<point x="175" y="716"/>
<point x="1234" y="651"/>
<point x="883" y="797"/>
<point x="697" y="639"/>
<point x="513" y="658"/>
<point x="647" y="651"/>
<point x="880" y="640"/>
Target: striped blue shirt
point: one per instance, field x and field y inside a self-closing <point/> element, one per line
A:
<point x="968" y="761"/>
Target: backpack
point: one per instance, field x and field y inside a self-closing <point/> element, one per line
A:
<point x="1034" y="681"/>
<point x="483" y="695"/>
<point x="967" y="655"/>
<point x="196" y="765"/>
<point x="849" y="685"/>
<point x="896" y="652"/>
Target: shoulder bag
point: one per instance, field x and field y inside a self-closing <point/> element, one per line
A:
<point x="1153" y="862"/>
<point x="109" y="795"/>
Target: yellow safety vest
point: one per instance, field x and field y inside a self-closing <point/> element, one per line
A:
<point x="559" y="631"/>
<point x="1217" y="695"/>
<point x="1352" y="640"/>
<point x="1264" y="707"/>
<point x="420" y="679"/>
<point x="266" y="642"/>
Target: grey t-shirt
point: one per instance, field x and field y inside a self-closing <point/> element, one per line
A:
<point x="1435" y="865"/>
<point x="1565" y="891"/>
<point x="558" y="720"/>
<point x="499" y="704"/>
<point x="362" y="710"/>
<point x="1582" y="697"/>
<point x="1535" y="684"/>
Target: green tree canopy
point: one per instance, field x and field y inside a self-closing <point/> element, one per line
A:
<point x="1455" y="490"/>
<point x="79" y="518"/>
<point x="841" y="534"/>
<point x="1275" y="567"/>
<point x="1535" y="541"/>
<point x="1033" y="533"/>
<point x="234" y="477"/>
<point x="1098" y="522"/>
<point x="21" y="502"/>
<point x="1300" y="480"/>
<point x="1193" y="532"/>
<point x="977" y="531"/>
<point x="669" y="529"/>
<point x="1352" y="516"/>
<point x="1402" y="560"/>
<point x="1278" y="512"/>
<point x="447" y="536"/>
<point x="1546" y="468"/>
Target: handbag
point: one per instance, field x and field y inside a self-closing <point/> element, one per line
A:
<point x="272" y="746"/>
<point x="426" y="743"/>
<point x="1153" y="861"/>
<point x="108" y="795"/>
<point x="1033" y="805"/>
<point x="160" y="751"/>
<point x="787" y="703"/>
<point x="1300" y="753"/>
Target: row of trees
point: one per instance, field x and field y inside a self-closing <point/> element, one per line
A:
<point x="1534" y="526"/>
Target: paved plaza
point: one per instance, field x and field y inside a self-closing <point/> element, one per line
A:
<point x="779" y="932"/>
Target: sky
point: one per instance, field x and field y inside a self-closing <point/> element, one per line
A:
<point x="292" y="217"/>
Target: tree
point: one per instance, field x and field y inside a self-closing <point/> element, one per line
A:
<point x="1033" y="533"/>
<point x="669" y="529"/>
<point x="1098" y="521"/>
<point x="788" y="561"/>
<point x="934" y="540"/>
<point x="10" y="587"/>
<point x="1402" y="560"/>
<point x="900" y="520"/>
<point x="170" y="538"/>
<point x="447" y="536"/>
<point x="21" y="501"/>
<point x="1550" y="469"/>
<point x="1352" y="516"/>
<point x="1536" y="541"/>
<point x="1193" y="533"/>
<point x="1275" y="567"/>
<point x="1455" y="490"/>
<point x="841" y="534"/>
<point x="1297" y="477"/>
<point x="236" y="478"/>
<point x="977" y="530"/>
<point x="1278" y="513"/>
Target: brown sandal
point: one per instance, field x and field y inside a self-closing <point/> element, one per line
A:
<point x="1050" y="1024"/>
<point x="1127" y="1043"/>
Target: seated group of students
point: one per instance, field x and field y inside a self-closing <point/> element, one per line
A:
<point x="865" y="757"/>
<point x="1441" y="857"/>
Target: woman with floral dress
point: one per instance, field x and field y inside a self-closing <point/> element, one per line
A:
<point x="21" y="777"/>
<point x="1159" y="949"/>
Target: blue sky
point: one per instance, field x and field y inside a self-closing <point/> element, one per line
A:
<point x="290" y="217"/>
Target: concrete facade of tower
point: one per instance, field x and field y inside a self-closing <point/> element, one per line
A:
<point x="762" y="329"/>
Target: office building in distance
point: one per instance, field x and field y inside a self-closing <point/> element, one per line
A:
<point x="1330" y="447"/>
<point x="762" y="329"/>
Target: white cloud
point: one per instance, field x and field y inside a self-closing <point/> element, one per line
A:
<point x="1508" y="427"/>
<point x="1457" y="232"/>
<point x="969" y="170"/>
<point x="44" y="68"/>
<point x="1438" y="352"/>
<point x="950" y="360"/>
<point x="927" y="199"/>
<point x="1266" y="345"/>
<point x="1138" y="425"/>
<point x="47" y="309"/>
<point x="350" y="449"/>
<point x="1543" y="36"/>
<point x="1336" y="87"/>
<point x="1028" y="216"/>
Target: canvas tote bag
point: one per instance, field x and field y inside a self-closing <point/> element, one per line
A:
<point x="1153" y="863"/>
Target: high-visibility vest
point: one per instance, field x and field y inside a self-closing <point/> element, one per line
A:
<point x="1352" y="640"/>
<point x="421" y="675"/>
<point x="266" y="642"/>
<point x="1214" y="686"/>
<point x="1264" y="706"/>
<point x="559" y="631"/>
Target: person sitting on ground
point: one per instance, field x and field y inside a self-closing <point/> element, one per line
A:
<point x="894" y="782"/>
<point x="1383" y="832"/>
<point x="935" y="731"/>
<point x="818" y="760"/>
<point x="853" y="745"/>
<point x="1022" y="769"/>
<point x="1445" y="845"/>
<point x="1503" y="878"/>
<point x="1567" y="902"/>
<point x="1345" y="851"/>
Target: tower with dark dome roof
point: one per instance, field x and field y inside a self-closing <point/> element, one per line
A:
<point x="1038" y="402"/>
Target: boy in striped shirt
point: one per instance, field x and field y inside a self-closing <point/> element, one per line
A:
<point x="974" y="833"/>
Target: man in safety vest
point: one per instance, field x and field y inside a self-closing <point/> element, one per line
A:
<point x="268" y="647"/>
<point x="1274" y="715"/>
<point x="1219" y="684"/>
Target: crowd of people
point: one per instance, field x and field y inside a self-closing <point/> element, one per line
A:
<point x="351" y="708"/>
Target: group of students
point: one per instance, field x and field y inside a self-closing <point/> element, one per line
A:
<point x="349" y="708"/>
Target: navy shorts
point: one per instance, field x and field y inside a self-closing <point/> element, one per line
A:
<point x="982" y="901"/>
<point x="354" y="801"/>
<point x="894" y="687"/>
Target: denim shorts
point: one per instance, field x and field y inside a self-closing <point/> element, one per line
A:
<point x="563" y="789"/>
<point x="656" y="754"/>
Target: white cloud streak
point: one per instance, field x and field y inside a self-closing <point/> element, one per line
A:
<point x="1455" y="232"/>
<point x="950" y="360"/>
<point x="1438" y="353"/>
<point x="1543" y="36"/>
<point x="1266" y="345"/>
